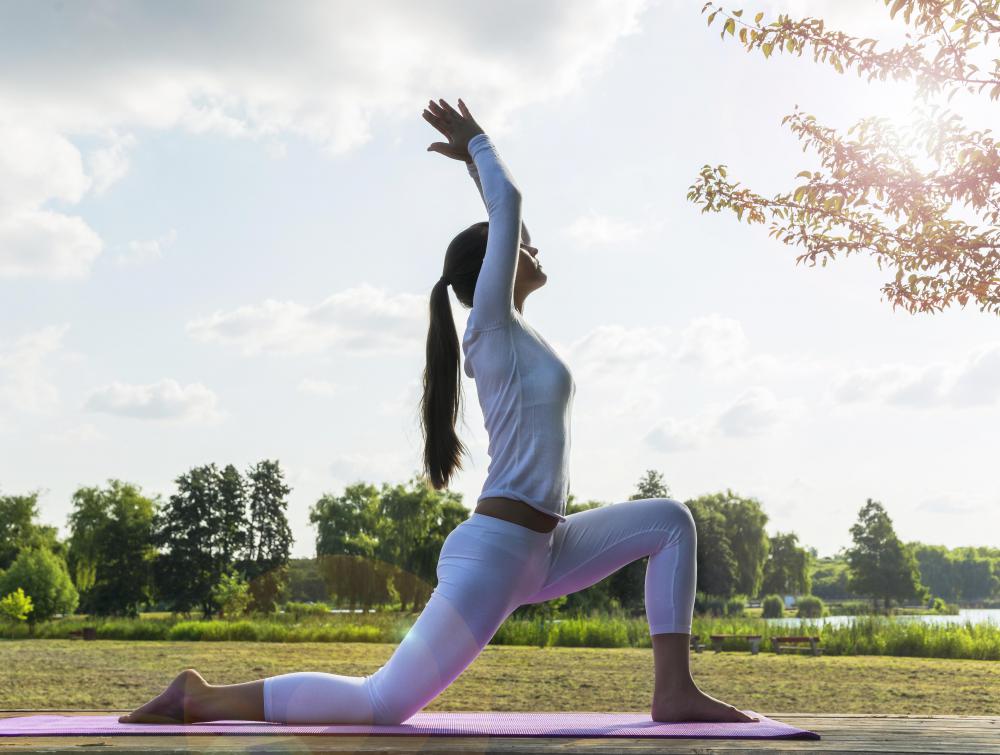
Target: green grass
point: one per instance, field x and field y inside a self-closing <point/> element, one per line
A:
<point x="867" y="635"/>
<point x="120" y="675"/>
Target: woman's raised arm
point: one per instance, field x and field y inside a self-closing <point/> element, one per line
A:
<point x="492" y="303"/>
<point x="493" y="298"/>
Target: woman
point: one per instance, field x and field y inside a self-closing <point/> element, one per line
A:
<point x="518" y="547"/>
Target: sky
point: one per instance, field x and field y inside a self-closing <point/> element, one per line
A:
<point x="220" y="227"/>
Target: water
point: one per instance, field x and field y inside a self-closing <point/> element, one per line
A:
<point x="975" y="615"/>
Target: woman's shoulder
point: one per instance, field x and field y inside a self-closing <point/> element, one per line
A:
<point x="489" y="346"/>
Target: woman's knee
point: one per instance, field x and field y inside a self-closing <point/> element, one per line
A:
<point x="679" y="516"/>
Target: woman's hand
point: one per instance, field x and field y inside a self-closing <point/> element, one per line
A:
<point x="459" y="127"/>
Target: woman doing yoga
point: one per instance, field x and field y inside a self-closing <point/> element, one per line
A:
<point x="518" y="546"/>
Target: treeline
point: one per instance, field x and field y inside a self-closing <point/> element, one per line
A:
<point x="965" y="574"/>
<point x="380" y="547"/>
<point x="128" y="552"/>
<point x="376" y="547"/>
<point x="961" y="574"/>
<point x="221" y="544"/>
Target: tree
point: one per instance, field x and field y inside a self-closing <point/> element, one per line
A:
<point x="747" y="542"/>
<point x="15" y="607"/>
<point x="936" y="570"/>
<point x="305" y="583"/>
<point x="232" y="594"/>
<point x="830" y="578"/>
<point x="270" y="538"/>
<point x="372" y="543"/>
<point x="415" y="520"/>
<point x="233" y="536"/>
<point x="346" y="539"/>
<point x="787" y="568"/>
<point x="881" y="566"/>
<point x="651" y="485"/>
<point x="111" y="549"/>
<point x="187" y="530"/>
<point x="976" y="577"/>
<point x="42" y="575"/>
<point x="935" y="259"/>
<point x="627" y="585"/>
<point x="18" y="528"/>
<point x="717" y="569"/>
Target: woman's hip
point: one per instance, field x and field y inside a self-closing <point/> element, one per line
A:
<point x="490" y="559"/>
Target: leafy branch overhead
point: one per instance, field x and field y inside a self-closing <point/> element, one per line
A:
<point x="904" y="223"/>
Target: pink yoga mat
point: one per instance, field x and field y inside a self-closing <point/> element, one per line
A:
<point x="476" y="724"/>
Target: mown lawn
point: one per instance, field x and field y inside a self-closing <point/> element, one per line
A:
<point x="116" y="675"/>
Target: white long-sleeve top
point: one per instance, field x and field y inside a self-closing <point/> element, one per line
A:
<point x="525" y="390"/>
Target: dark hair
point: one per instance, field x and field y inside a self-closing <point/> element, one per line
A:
<point x="442" y="399"/>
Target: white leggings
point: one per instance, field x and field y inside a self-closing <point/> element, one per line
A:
<point x="487" y="568"/>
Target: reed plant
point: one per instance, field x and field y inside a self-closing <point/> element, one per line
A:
<point x="866" y="635"/>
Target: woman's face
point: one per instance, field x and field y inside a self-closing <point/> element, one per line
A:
<point x="529" y="272"/>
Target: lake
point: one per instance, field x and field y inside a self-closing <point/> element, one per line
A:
<point x="975" y="615"/>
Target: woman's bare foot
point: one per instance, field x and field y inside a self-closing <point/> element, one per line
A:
<point x="691" y="704"/>
<point x="175" y="705"/>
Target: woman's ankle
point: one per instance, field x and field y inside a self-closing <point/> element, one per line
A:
<point x="200" y="703"/>
<point x="674" y="687"/>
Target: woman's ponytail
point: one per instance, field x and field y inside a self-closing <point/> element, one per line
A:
<point x="442" y="392"/>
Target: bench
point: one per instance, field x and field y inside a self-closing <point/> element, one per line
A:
<point x="696" y="644"/>
<point x="779" y="644"/>
<point x="753" y="639"/>
<point x="87" y="633"/>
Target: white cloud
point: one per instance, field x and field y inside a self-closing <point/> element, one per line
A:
<point x="712" y="342"/>
<point x="46" y="244"/>
<point x="144" y="251"/>
<point x="671" y="434"/>
<point x="255" y="70"/>
<point x="609" y="346"/>
<point x="109" y="164"/>
<point x="37" y="165"/>
<point x="978" y="381"/>
<point x="949" y="503"/>
<point x="755" y="411"/>
<point x="165" y="399"/>
<point x="975" y="381"/>
<point x="361" y="320"/>
<point x="924" y="387"/>
<point x="25" y="382"/>
<point x="600" y="230"/>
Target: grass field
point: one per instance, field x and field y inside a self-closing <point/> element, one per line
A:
<point x="122" y="674"/>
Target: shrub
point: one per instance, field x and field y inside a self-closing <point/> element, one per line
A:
<point x="734" y="606"/>
<point x="942" y="607"/>
<point x="43" y="576"/>
<point x="773" y="607"/>
<point x="709" y="605"/>
<point x="810" y="607"/>
<point x="232" y="594"/>
<point x="15" y="607"/>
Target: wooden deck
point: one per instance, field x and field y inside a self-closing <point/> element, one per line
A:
<point x="975" y="735"/>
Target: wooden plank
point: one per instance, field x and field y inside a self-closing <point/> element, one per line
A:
<point x="842" y="734"/>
